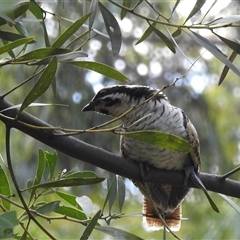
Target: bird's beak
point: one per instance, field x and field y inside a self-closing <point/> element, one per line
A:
<point x="88" y="107"/>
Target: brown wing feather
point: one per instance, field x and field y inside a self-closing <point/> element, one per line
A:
<point x="194" y="141"/>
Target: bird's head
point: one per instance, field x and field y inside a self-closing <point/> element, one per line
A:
<point x="116" y="100"/>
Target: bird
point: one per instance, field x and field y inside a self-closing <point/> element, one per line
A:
<point x="151" y="110"/>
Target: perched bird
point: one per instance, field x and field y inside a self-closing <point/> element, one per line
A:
<point x="159" y="115"/>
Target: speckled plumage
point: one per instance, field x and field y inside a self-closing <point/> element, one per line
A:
<point x="154" y="114"/>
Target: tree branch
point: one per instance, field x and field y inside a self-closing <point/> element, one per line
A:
<point x="106" y="160"/>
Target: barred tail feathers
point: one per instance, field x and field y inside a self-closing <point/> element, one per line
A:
<point x="153" y="222"/>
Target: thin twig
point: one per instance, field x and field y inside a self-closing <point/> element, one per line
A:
<point x="197" y="26"/>
<point x="11" y="171"/>
<point x="228" y="174"/>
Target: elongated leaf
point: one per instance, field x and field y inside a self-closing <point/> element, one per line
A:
<point x="14" y="12"/>
<point x="146" y="34"/>
<point x="4" y="188"/>
<point x="101" y="68"/>
<point x="41" y="53"/>
<point x="231" y="19"/>
<point x="8" y="220"/>
<point x="87" y="232"/>
<point x="93" y="9"/>
<point x="69" y="182"/>
<point x="70" y="31"/>
<point x="112" y="28"/>
<point x="71" y="199"/>
<point x="38" y="13"/>
<point x="175" y="6"/>
<point x="65" y="57"/>
<point x="197" y="7"/>
<point x="127" y="4"/>
<point x="112" y="231"/>
<point x="71" y="212"/>
<point x="51" y="162"/>
<point x="177" y="32"/>
<point x="32" y="105"/>
<point x="21" y="29"/>
<point x="161" y="139"/>
<point x="86" y="204"/>
<point x="233" y="45"/>
<point x="49" y="207"/>
<point x="213" y="50"/>
<point x="36" y="10"/>
<point x="164" y="38"/>
<point x="112" y="190"/>
<point x="42" y="84"/>
<point x="5" y="18"/>
<point x="9" y="36"/>
<point x="121" y="192"/>
<point x="226" y="68"/>
<point x="40" y="170"/>
<point x="230" y="202"/>
<point x="84" y="175"/>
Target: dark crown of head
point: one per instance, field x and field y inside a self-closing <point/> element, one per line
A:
<point x="134" y="91"/>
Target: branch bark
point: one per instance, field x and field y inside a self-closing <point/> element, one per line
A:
<point x="106" y="160"/>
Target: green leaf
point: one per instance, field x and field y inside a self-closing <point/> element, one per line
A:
<point x="127" y="4"/>
<point x="146" y="34"/>
<point x="112" y="190"/>
<point x="42" y="84"/>
<point x="8" y="220"/>
<point x="165" y="39"/>
<point x="40" y="171"/>
<point x="233" y="45"/>
<point x="112" y="231"/>
<point x="226" y="68"/>
<point x="5" y="19"/>
<point x="121" y="192"/>
<point x="213" y="50"/>
<point x="102" y="69"/>
<point x="93" y="10"/>
<point x="14" y="12"/>
<point x="161" y="139"/>
<point x="15" y="44"/>
<point x="36" y="10"/>
<point x="71" y="199"/>
<point x="9" y="36"/>
<point x="84" y="175"/>
<point x="87" y="232"/>
<point x="38" y="13"/>
<point x="21" y="29"/>
<point x="70" y="31"/>
<point x="112" y="28"/>
<point x="4" y="188"/>
<point x="49" y="207"/>
<point x="71" y="212"/>
<point x="177" y="32"/>
<point x="41" y="53"/>
<point x="69" y="182"/>
<point x="51" y="162"/>
<point x="65" y="57"/>
<point x="197" y="7"/>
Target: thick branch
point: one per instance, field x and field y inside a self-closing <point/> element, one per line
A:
<point x="106" y="160"/>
